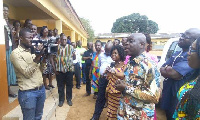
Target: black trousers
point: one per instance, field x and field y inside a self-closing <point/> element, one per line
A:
<point x="88" y="81"/>
<point x="101" y="99"/>
<point x="77" y="74"/>
<point x="65" y="79"/>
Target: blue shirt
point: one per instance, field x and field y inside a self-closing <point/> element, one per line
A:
<point x="179" y="63"/>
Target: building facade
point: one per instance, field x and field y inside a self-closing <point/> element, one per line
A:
<point x="158" y="40"/>
<point x="57" y="14"/>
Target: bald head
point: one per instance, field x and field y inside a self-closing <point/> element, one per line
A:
<point x="108" y="48"/>
<point x="139" y="37"/>
<point x="135" y="44"/>
<point x="193" y="33"/>
<point x="90" y="45"/>
<point x="188" y="37"/>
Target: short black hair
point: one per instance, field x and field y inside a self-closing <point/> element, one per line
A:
<point x="148" y="40"/>
<point x="42" y="30"/>
<point x="68" y="37"/>
<point x="99" y="42"/>
<point x="109" y="41"/>
<point x="118" y="40"/>
<point x="5" y="5"/>
<point x="15" y="22"/>
<point x="49" y="32"/>
<point x="198" y="46"/>
<point x="120" y="50"/>
<point x="62" y="34"/>
<point x="88" y="43"/>
<point x="26" y="22"/>
<point x="23" y="31"/>
<point x="33" y="25"/>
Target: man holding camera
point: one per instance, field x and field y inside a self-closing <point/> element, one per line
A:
<point x="31" y="94"/>
<point x="64" y="70"/>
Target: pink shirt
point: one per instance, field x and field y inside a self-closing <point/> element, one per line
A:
<point x="127" y="59"/>
<point x="152" y="57"/>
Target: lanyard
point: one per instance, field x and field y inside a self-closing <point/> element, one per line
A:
<point x="176" y="57"/>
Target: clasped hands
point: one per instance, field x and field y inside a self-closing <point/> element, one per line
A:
<point x="119" y="84"/>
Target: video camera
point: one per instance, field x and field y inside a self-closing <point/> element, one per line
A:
<point x="49" y="45"/>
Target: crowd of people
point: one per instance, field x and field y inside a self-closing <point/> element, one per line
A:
<point x="123" y="75"/>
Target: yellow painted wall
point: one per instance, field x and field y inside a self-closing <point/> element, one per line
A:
<point x="106" y="39"/>
<point x="41" y="16"/>
<point x="50" y="6"/>
<point x="40" y="23"/>
<point x="160" y="41"/>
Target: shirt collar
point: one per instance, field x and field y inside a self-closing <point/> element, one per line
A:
<point x="137" y="59"/>
<point x="23" y="49"/>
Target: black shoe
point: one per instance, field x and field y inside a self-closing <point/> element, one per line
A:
<point x="94" y="118"/>
<point x="60" y="103"/>
<point x="47" y="88"/>
<point x="13" y="95"/>
<point x="95" y="97"/>
<point x="69" y="103"/>
<point x="51" y="86"/>
<point x="78" y="87"/>
<point x="84" y="82"/>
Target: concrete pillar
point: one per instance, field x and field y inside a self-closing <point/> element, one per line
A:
<point x="72" y="36"/>
<point x="79" y="37"/>
<point x="58" y="26"/>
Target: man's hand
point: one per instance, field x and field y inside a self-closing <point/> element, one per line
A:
<point x="90" y="76"/>
<point x="74" y="55"/>
<point x="120" y="85"/>
<point x="56" y="72"/>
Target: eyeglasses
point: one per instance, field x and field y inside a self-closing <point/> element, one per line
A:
<point x="183" y="36"/>
<point x="191" y="50"/>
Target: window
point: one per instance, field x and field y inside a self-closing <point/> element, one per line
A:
<point x="172" y="49"/>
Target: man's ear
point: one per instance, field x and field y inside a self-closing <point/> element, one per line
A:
<point x="142" y="45"/>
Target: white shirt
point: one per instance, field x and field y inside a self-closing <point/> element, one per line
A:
<point x="104" y="62"/>
<point x="9" y="31"/>
<point x="78" y="57"/>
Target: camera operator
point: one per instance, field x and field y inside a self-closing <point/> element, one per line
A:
<point x="31" y="94"/>
<point x="64" y="70"/>
<point x="46" y="64"/>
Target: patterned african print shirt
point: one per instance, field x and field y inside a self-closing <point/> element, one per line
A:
<point x="180" y="111"/>
<point x="142" y="79"/>
<point x="64" y="59"/>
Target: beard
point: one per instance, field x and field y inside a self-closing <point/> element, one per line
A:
<point x="184" y="46"/>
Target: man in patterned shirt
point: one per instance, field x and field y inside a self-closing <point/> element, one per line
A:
<point x="64" y="70"/>
<point x="141" y="86"/>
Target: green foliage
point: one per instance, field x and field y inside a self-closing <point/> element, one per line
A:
<point x="134" y="23"/>
<point x="88" y="28"/>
